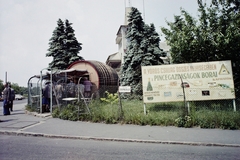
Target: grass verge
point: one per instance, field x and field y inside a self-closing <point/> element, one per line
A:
<point x="160" y="114"/>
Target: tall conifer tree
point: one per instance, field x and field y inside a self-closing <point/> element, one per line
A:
<point x="143" y="49"/>
<point x="63" y="46"/>
<point x="56" y="46"/>
<point x="72" y="45"/>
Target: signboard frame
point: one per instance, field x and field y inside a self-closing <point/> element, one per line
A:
<point x="201" y="81"/>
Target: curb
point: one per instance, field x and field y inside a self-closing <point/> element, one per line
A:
<point x="43" y="115"/>
<point x="30" y="134"/>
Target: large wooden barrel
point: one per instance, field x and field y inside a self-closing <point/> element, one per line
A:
<point x="103" y="77"/>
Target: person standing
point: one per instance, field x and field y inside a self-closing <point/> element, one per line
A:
<point x="81" y="89"/>
<point x="87" y="88"/>
<point x="11" y="96"/>
<point x="46" y="98"/>
<point x="6" y="99"/>
<point x="71" y="87"/>
<point x="59" y="90"/>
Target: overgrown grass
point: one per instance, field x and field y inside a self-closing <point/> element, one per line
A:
<point x="160" y="114"/>
<point x="217" y="119"/>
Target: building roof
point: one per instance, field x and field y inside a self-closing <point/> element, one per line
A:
<point x="114" y="57"/>
<point x="114" y="60"/>
<point x="122" y="26"/>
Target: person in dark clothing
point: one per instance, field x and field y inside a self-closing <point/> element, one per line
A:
<point x="71" y="88"/>
<point x="12" y="96"/>
<point x="87" y="88"/>
<point x="6" y="100"/>
<point x="46" y="97"/>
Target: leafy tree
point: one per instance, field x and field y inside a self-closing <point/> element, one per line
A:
<point x="142" y="50"/>
<point x="15" y="86"/>
<point x="227" y="35"/>
<point x="214" y="36"/>
<point x="231" y="4"/>
<point x="18" y="89"/>
<point x="63" y="46"/>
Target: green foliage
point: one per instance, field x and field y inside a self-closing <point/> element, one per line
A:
<point x="31" y="109"/>
<point x="16" y="87"/>
<point x="56" y="46"/>
<point x="218" y="119"/>
<point x="184" y="122"/>
<point x="63" y="46"/>
<point x="103" y="112"/>
<point x="210" y="117"/>
<point x="67" y="113"/>
<point x="110" y="98"/>
<point x="230" y="122"/>
<point x="143" y="50"/>
<point x="72" y="46"/>
<point x="55" y="113"/>
<point x="161" y="114"/>
<point x="214" y="36"/>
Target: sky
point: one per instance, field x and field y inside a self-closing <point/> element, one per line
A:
<point x="27" y="25"/>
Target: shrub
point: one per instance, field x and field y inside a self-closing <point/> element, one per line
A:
<point x="230" y="121"/>
<point x="68" y="113"/>
<point x="110" y="98"/>
<point x="55" y="113"/>
<point x="31" y="109"/>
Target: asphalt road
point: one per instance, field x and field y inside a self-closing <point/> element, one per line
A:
<point x="22" y="148"/>
<point x="98" y="136"/>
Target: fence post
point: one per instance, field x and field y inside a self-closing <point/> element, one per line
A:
<point x="51" y="90"/>
<point x="40" y="92"/>
<point x="188" y="108"/>
<point x="144" y="108"/>
<point x="120" y="103"/>
<point x="184" y="96"/>
<point x="234" y="105"/>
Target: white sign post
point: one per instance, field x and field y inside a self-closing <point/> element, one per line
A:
<point x="124" y="89"/>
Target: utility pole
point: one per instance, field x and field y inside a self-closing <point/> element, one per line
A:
<point x="129" y="3"/>
<point x="5" y="77"/>
<point x="143" y="12"/>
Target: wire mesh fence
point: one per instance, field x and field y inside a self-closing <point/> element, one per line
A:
<point x="62" y="90"/>
<point x="34" y="95"/>
<point x="64" y="93"/>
